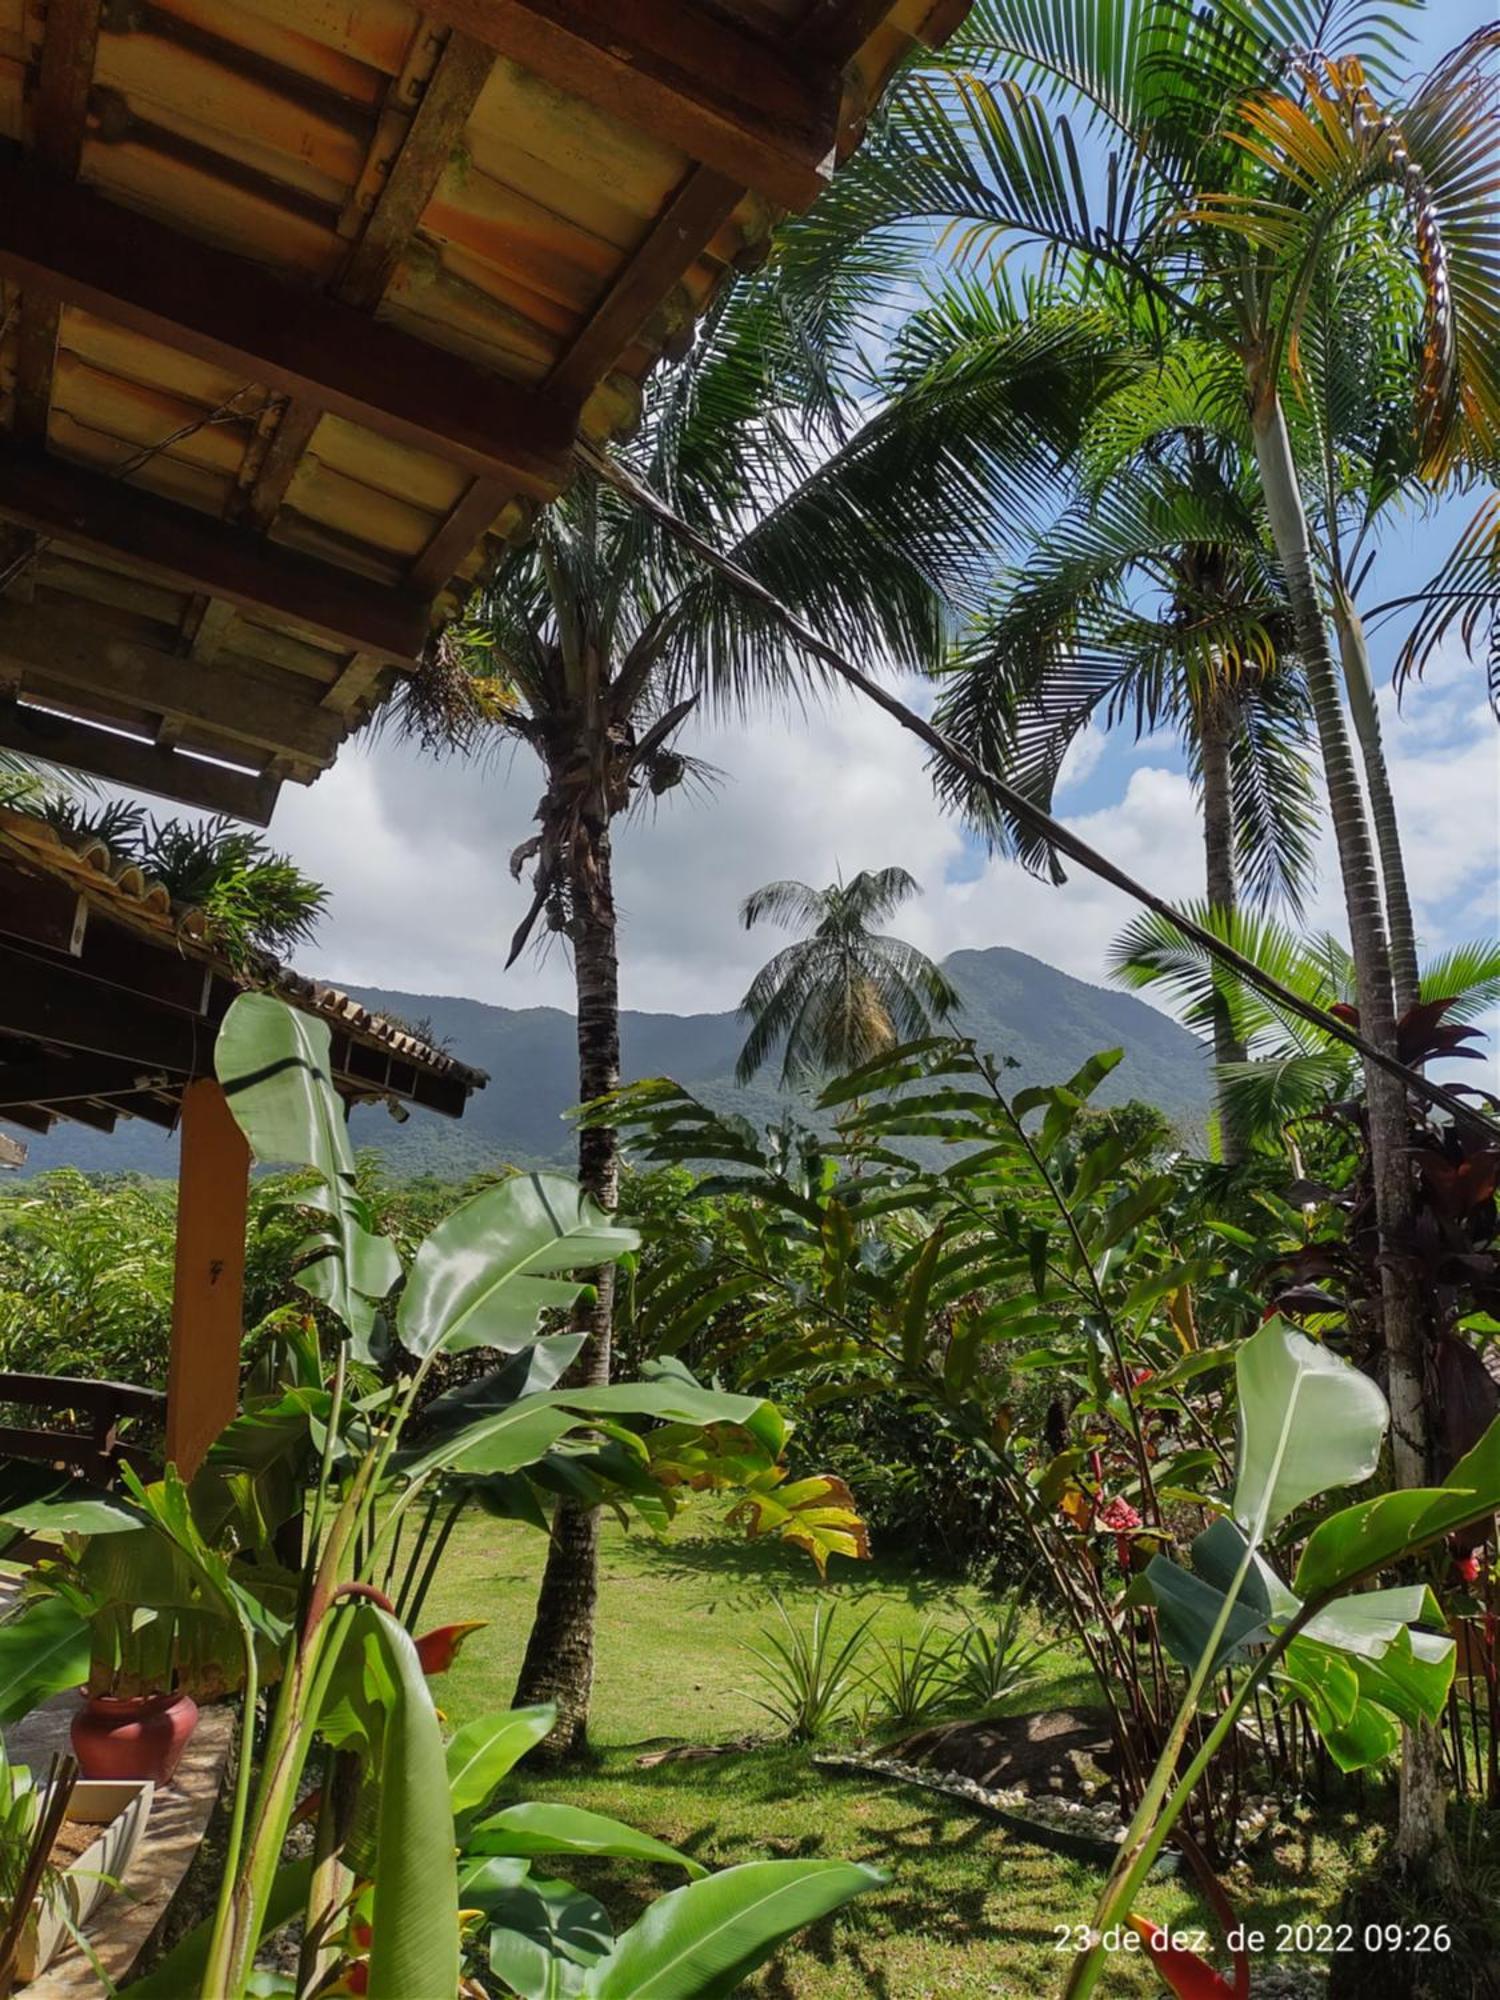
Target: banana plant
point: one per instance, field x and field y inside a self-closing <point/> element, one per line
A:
<point x="533" y="1935"/>
<point x="1309" y="1424"/>
<point x="348" y="1673"/>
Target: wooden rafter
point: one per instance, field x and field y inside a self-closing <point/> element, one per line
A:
<point x="70" y="243"/>
<point x="723" y="95"/>
<point x="197" y="552"/>
<point x="52" y="651"/>
<point x="138" y="765"/>
<point x="432" y="135"/>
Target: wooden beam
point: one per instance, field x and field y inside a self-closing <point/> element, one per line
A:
<point x="71" y="244"/>
<point x="137" y="765"/>
<point x="56" y="650"/>
<point x="58" y="1080"/>
<point x="41" y="910"/>
<point x="689" y="222"/>
<point x="433" y="136"/>
<point x="106" y="517"/>
<point x="208" y="1296"/>
<point x="475" y="511"/>
<point x="51" y="1001"/>
<point x="723" y="95"/>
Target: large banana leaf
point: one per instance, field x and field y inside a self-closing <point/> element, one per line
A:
<point x="702" y="1941"/>
<point x="274" y="1065"/>
<point x="486" y="1749"/>
<point x="543" y="1936"/>
<point x="415" y="1944"/>
<point x="1307" y="1422"/>
<point x="544" y="1828"/>
<point x="42" y="1651"/>
<point x="488" y="1271"/>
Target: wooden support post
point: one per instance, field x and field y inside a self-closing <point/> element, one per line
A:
<point x="213" y="1198"/>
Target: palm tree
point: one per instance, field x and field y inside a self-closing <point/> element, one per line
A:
<point x="1214" y="160"/>
<point x="1289" y="1070"/>
<point x="1152" y="598"/>
<point x="594" y="643"/>
<point x="843" y="992"/>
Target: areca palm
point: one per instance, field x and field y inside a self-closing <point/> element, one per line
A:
<point x="1289" y="1069"/>
<point x="844" y="991"/>
<point x="1152" y="599"/>
<point x="1215" y="160"/>
<point x="594" y="643"/>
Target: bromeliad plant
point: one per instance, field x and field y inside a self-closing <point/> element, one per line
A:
<point x="1360" y="1661"/>
<point x="382" y="1879"/>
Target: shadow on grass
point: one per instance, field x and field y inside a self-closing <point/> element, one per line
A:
<point x="767" y="1566"/>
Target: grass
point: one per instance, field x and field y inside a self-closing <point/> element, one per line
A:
<point x="970" y="1911"/>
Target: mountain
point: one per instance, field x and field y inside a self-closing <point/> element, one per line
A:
<point x="1014" y="1005"/>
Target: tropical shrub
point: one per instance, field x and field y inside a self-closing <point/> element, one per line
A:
<point x="379" y="1901"/>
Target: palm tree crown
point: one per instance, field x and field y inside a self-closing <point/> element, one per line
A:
<point x="843" y="992"/>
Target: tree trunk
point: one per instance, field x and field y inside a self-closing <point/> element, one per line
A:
<point x="1420" y="1837"/>
<point x="1215" y="723"/>
<point x="559" y="1662"/>
<point x="1366" y="713"/>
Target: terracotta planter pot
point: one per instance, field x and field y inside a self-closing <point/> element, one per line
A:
<point x="133" y="1736"/>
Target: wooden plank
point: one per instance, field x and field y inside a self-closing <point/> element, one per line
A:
<point x="196" y="552"/>
<point x="138" y="766"/>
<point x="81" y="1392"/>
<point x="293" y="434"/>
<point x="72" y="244"/>
<point x="436" y="128"/>
<point x="213" y="1195"/>
<point x="689" y="222"/>
<point x="54" y="651"/>
<point x="458" y="534"/>
<point x="52" y="1001"/>
<point x="59" y="115"/>
<point x="41" y="910"/>
<point x="12" y="1152"/>
<point x="723" y="95"/>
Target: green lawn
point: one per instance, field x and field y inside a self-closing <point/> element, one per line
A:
<point x="969" y="1911"/>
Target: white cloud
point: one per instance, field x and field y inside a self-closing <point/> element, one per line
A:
<point x="416" y="853"/>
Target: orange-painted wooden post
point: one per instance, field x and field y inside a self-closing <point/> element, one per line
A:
<point x="213" y="1194"/>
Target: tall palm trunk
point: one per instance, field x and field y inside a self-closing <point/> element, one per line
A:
<point x="1215" y="723"/>
<point x="559" y="1662"/>
<point x="1421" y="1837"/>
<point x="1363" y="707"/>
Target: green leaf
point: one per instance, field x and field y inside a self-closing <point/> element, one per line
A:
<point x="1307" y="1421"/>
<point x="47" y="1502"/>
<point x="1188" y="1609"/>
<point x="544" y="1935"/>
<point x="543" y="1828"/>
<point x="1130" y="1210"/>
<point x="701" y="1942"/>
<point x="486" y="1273"/>
<point x="484" y="1750"/>
<point x="43" y="1650"/>
<point x="274" y="1065"/>
<point x="1371" y="1536"/>
<point x="415" y="1944"/>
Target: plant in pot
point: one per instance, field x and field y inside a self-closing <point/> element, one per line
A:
<point x="120" y="1609"/>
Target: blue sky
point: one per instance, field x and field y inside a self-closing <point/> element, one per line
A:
<point x="415" y="853"/>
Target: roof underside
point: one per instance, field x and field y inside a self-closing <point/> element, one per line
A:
<point x="111" y="998"/>
<point x="303" y="303"/>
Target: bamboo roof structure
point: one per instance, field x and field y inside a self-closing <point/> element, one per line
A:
<point x="304" y="305"/>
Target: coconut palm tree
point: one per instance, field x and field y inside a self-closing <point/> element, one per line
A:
<point x="1213" y="160"/>
<point x="843" y="992"/>
<point x="875" y="517"/>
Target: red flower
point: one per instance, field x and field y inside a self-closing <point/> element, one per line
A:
<point x="1119" y="1516"/>
<point x="1468" y="1569"/>
<point x="438" y="1648"/>
<point x="1189" y="1976"/>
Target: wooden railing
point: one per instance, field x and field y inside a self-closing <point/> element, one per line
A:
<point x="96" y="1452"/>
